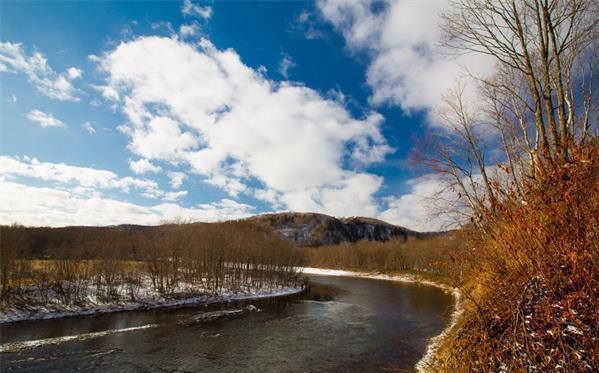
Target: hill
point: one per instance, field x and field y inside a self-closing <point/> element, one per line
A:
<point x="312" y="229"/>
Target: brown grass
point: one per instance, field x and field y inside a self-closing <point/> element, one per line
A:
<point x="531" y="298"/>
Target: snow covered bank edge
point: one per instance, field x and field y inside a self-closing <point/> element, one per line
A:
<point x="9" y="316"/>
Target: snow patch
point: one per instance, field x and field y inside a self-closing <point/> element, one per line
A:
<point x="146" y="299"/>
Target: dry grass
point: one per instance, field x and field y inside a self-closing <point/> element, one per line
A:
<point x="531" y="298"/>
<point x="40" y="264"/>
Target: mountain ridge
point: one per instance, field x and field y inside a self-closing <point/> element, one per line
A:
<point x="304" y="229"/>
<point x="315" y="229"/>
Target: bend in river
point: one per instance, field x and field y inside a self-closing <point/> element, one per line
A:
<point x="339" y="324"/>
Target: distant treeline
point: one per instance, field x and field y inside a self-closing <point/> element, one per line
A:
<point x="67" y="264"/>
<point x="441" y="257"/>
<point x="64" y="262"/>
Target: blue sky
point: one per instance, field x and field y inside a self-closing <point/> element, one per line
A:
<point x="140" y="112"/>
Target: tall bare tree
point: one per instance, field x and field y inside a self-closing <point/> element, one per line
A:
<point x="539" y="103"/>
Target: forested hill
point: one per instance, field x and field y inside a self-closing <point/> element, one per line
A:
<point x="312" y="229"/>
<point x="301" y="229"/>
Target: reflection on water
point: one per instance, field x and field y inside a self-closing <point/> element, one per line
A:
<point x="338" y="325"/>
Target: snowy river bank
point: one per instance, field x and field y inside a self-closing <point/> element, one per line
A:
<point x="147" y="298"/>
<point x="339" y="323"/>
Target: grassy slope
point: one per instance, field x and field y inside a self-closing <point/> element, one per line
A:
<point x="531" y="297"/>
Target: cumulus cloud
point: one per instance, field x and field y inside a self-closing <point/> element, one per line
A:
<point x="407" y="66"/>
<point x="44" y="119"/>
<point x="73" y="176"/>
<point x="160" y="138"/>
<point x="203" y="106"/>
<point x="88" y="127"/>
<point x="74" y="196"/>
<point x="420" y="208"/>
<point x="44" y="206"/>
<point x="57" y="86"/>
<point x="173" y="196"/>
<point x="176" y="179"/>
<point x="74" y="73"/>
<point x="192" y="9"/>
<point x="142" y="166"/>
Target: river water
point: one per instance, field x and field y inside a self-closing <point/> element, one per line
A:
<point x="340" y="324"/>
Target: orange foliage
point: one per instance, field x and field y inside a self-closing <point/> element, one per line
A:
<point x="531" y="300"/>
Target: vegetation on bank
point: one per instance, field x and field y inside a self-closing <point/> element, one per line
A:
<point x="520" y="160"/>
<point x="439" y="258"/>
<point x="73" y="266"/>
<point x="531" y="293"/>
<point x="529" y="281"/>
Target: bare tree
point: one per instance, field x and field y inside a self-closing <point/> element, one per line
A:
<point x="535" y="109"/>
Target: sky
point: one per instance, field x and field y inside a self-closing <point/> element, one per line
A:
<point x="142" y="112"/>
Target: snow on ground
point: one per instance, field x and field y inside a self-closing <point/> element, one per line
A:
<point x="146" y="298"/>
<point x="424" y="364"/>
<point x="376" y="276"/>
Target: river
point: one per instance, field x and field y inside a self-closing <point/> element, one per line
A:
<point x="341" y="324"/>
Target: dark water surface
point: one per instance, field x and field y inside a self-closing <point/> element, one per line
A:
<point x="340" y="325"/>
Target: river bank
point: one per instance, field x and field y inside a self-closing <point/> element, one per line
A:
<point x="146" y="299"/>
<point x="425" y="362"/>
<point x="339" y="324"/>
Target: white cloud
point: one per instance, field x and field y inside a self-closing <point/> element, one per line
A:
<point x="420" y="208"/>
<point x="188" y="30"/>
<point x="176" y="179"/>
<point x="173" y="196"/>
<point x="308" y="24"/>
<point x="74" y="196"/>
<point x="162" y="138"/>
<point x="73" y="176"/>
<point x="142" y="166"/>
<point x="38" y="206"/>
<point x="407" y="66"/>
<point x="202" y="106"/>
<point x="39" y="73"/>
<point x="190" y="8"/>
<point x="88" y="127"/>
<point x="162" y="27"/>
<point x="13" y="98"/>
<point x="44" y="119"/>
<point x="287" y="63"/>
<point x="74" y="73"/>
